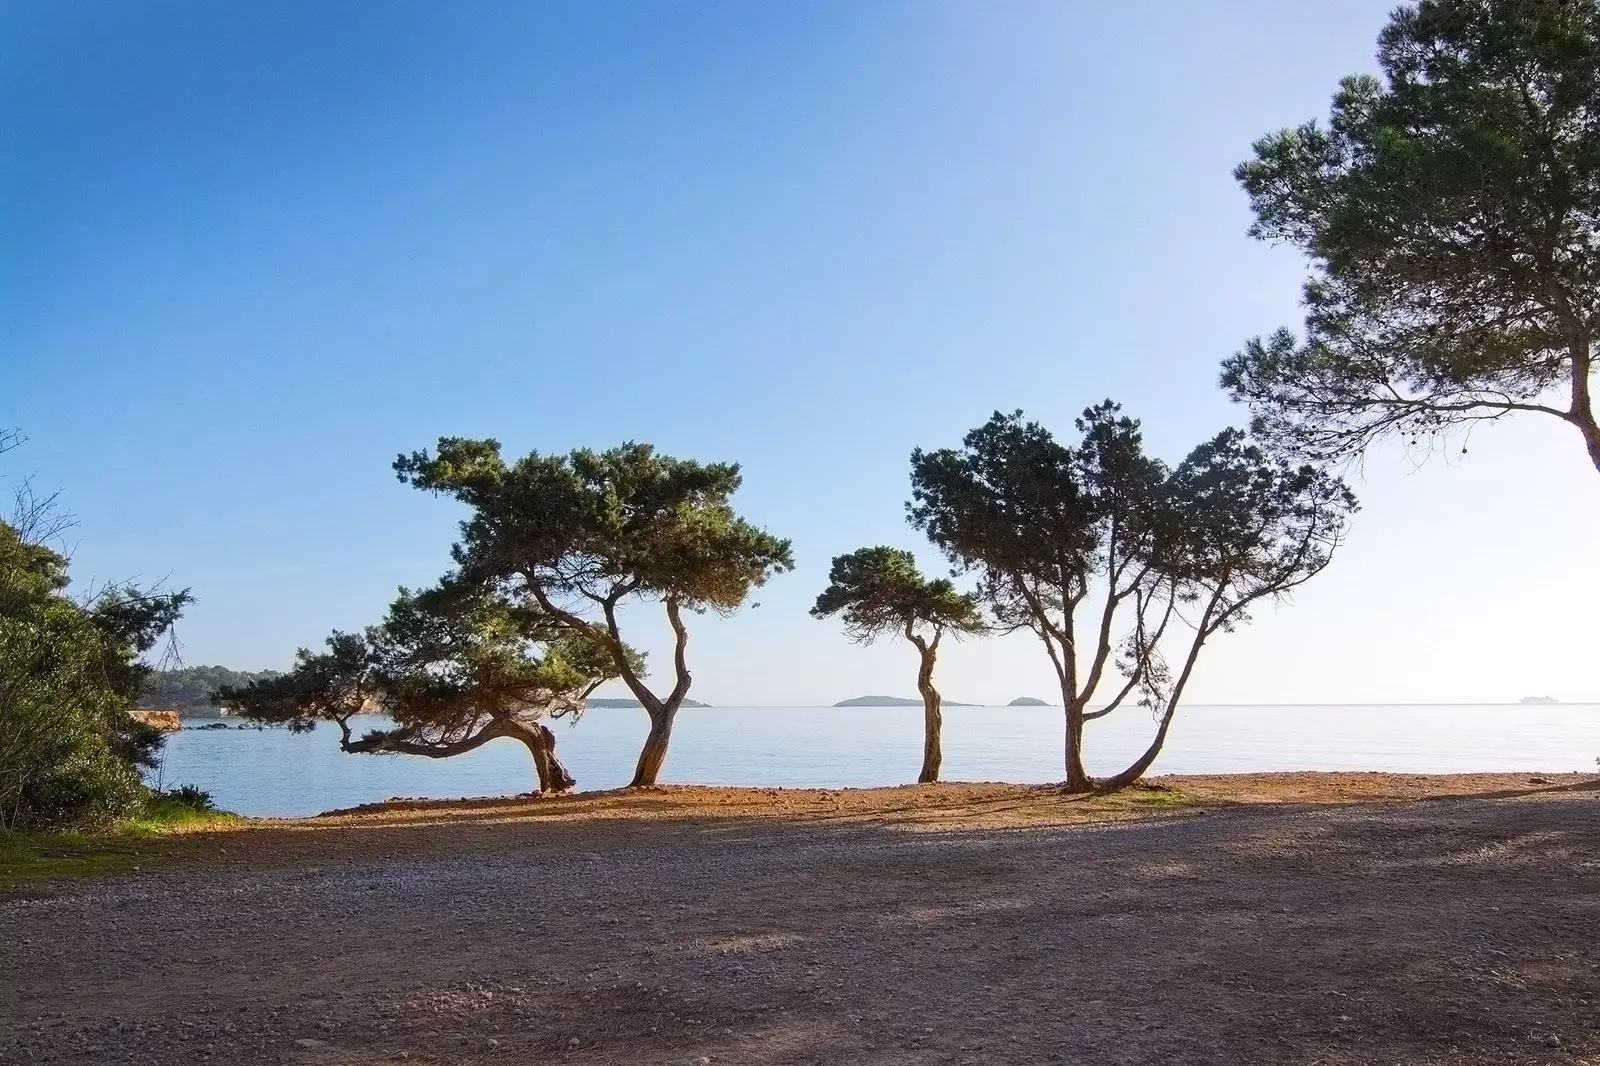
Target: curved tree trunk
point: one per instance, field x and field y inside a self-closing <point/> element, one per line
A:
<point x="541" y="745"/>
<point x="654" y="752"/>
<point x="932" y="718"/>
<point x="1143" y="762"/>
<point x="540" y="742"/>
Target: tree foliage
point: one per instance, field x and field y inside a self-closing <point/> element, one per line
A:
<point x="1121" y="566"/>
<point x="577" y="536"/>
<point x="1452" y="214"/>
<point x="452" y="667"/>
<point x="71" y="669"/>
<point x="879" y="591"/>
<point x="190" y="687"/>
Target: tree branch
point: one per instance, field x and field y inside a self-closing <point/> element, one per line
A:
<point x="680" y="663"/>
<point x="400" y="743"/>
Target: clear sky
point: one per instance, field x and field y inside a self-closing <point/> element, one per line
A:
<point x="250" y="251"/>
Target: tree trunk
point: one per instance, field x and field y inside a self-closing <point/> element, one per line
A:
<point x="654" y="753"/>
<point x="1591" y="439"/>
<point x="1078" y="779"/>
<point x="1581" y="414"/>
<point x="541" y="745"/>
<point x="932" y="719"/>
<point x="1143" y="762"/>
<point x="1209" y="623"/>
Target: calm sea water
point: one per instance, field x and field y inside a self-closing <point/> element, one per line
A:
<point x="272" y="772"/>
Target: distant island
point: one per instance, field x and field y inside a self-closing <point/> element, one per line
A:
<point x="1027" y="701"/>
<point x="629" y="701"/>
<point x="893" y="701"/>
<point x="1539" y="701"/>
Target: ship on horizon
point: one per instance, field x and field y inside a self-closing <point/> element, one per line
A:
<point x="1539" y="701"/>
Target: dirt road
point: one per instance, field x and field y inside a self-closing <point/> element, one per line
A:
<point x="1453" y="930"/>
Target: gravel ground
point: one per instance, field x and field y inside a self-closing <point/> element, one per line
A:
<point x="1455" y="930"/>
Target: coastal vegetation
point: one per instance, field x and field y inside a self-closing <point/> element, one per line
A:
<point x="71" y="668"/>
<point x="569" y="539"/>
<point x="880" y="592"/>
<point x="452" y="667"/>
<point x="1123" y="567"/>
<point x="1449" y="211"/>
<point x="528" y="624"/>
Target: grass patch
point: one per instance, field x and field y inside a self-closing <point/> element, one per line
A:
<point x="167" y="813"/>
<point x="37" y="856"/>
<point x="30" y="856"/>
<point x="1147" y="795"/>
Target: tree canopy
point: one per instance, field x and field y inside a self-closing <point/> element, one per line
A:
<point x="1451" y="211"/>
<point x="452" y="667"/>
<point x="579" y="535"/>
<point x="1164" y="557"/>
<point x="879" y="591"/>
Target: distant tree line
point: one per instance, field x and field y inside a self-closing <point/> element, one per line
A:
<point x="190" y="687"/>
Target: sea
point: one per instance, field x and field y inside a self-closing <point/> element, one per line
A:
<point x="275" y="773"/>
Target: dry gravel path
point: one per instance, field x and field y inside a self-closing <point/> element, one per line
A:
<point x="1455" y="930"/>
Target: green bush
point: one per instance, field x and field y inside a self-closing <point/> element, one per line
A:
<point x="190" y="796"/>
<point x="70" y="670"/>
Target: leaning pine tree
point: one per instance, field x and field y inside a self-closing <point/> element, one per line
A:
<point x="1122" y="567"/>
<point x="579" y="536"/>
<point x="879" y="592"/>
<point x="452" y="668"/>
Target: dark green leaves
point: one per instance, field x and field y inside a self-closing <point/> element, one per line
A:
<point x="70" y="671"/>
<point x="879" y="591"/>
<point x="1451" y="213"/>
<point x="1046" y="525"/>
<point x="603" y="524"/>
<point x="444" y="662"/>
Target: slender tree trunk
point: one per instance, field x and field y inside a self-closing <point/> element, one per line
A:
<point x="654" y="753"/>
<point x="1582" y="411"/>
<point x="932" y="718"/>
<point x="1078" y="779"/>
<point x="661" y="712"/>
<point x="1133" y="773"/>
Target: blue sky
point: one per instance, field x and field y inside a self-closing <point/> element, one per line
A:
<point x="252" y="251"/>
